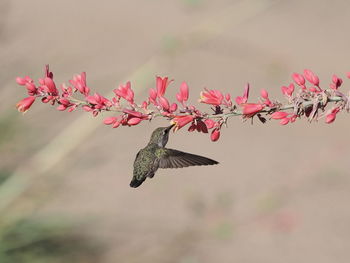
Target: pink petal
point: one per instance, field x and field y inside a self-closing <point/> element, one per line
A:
<point x="279" y="115"/>
<point x="164" y="103"/>
<point x="184" y="91"/>
<point x="264" y="94"/>
<point x="311" y="77"/>
<point x="134" y="121"/>
<point x="110" y="120"/>
<point x="299" y="79"/>
<point x="215" y="135"/>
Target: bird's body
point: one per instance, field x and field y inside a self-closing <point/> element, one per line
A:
<point x="155" y="156"/>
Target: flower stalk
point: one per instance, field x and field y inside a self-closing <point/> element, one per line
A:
<point x="304" y="99"/>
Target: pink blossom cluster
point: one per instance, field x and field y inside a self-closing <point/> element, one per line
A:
<point x="304" y="97"/>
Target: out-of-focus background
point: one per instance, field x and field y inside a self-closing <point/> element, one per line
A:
<point x="280" y="193"/>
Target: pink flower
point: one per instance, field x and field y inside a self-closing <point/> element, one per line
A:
<point x="25" y="104"/>
<point x="98" y="103"/>
<point x="313" y="89"/>
<point x="125" y="92"/>
<point x="215" y="135"/>
<point x="162" y="84"/>
<point x="284" y="121"/>
<point x="330" y="117"/>
<point x="244" y="99"/>
<point x="31" y="89"/>
<point x="24" y="81"/>
<point x="311" y="77"/>
<point x="144" y="105"/>
<point x="181" y="121"/>
<point x="152" y="96"/>
<point x="64" y="104"/>
<point x="49" y="86"/>
<point x="182" y="96"/>
<point x="251" y="108"/>
<point x="173" y="107"/>
<point x="264" y="94"/>
<point x="79" y="83"/>
<point x="66" y="90"/>
<point x="164" y="103"/>
<point x="348" y="75"/>
<point x="279" y="115"/>
<point x="134" y="121"/>
<point x="110" y="120"/>
<point x="213" y="97"/>
<point x="114" y="121"/>
<point x="288" y="91"/>
<point x="336" y="82"/>
<point x="298" y="79"/>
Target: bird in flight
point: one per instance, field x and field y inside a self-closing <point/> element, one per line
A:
<point x="155" y="156"/>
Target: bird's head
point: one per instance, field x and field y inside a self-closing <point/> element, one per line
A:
<point x="160" y="136"/>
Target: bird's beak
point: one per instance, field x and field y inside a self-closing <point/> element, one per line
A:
<point x="169" y="128"/>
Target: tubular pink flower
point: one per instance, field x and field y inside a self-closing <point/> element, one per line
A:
<point x="31" y="88"/>
<point x="244" y="99"/>
<point x="173" y="107"/>
<point x="330" y="118"/>
<point x="181" y="121"/>
<point x="79" y="83"/>
<point x="25" y="104"/>
<point x="144" y="105"/>
<point x="215" y="135"/>
<point x="99" y="102"/>
<point x="87" y="108"/>
<point x="264" y="94"/>
<point x="336" y="81"/>
<point x="284" y="121"/>
<point x="116" y="124"/>
<point x="213" y="97"/>
<point x="66" y="91"/>
<point x="110" y="120"/>
<point x="298" y="79"/>
<point x="134" y="121"/>
<point x="162" y="84"/>
<point x="164" y="103"/>
<point x="313" y="89"/>
<point x="311" y="77"/>
<point x="153" y="96"/>
<point x="125" y="92"/>
<point x="251" y="108"/>
<point x="49" y="86"/>
<point x="132" y="113"/>
<point x="72" y="108"/>
<point x="279" y="115"/>
<point x="184" y="91"/>
<point x="288" y="91"/>
<point x="23" y="81"/>
<point x="293" y="118"/>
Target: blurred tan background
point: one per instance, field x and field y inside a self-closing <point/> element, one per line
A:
<point x="280" y="194"/>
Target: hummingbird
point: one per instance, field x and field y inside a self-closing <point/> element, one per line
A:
<point x="155" y="156"/>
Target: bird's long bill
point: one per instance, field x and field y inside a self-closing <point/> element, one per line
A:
<point x="172" y="125"/>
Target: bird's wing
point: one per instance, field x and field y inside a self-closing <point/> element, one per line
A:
<point x="169" y="158"/>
